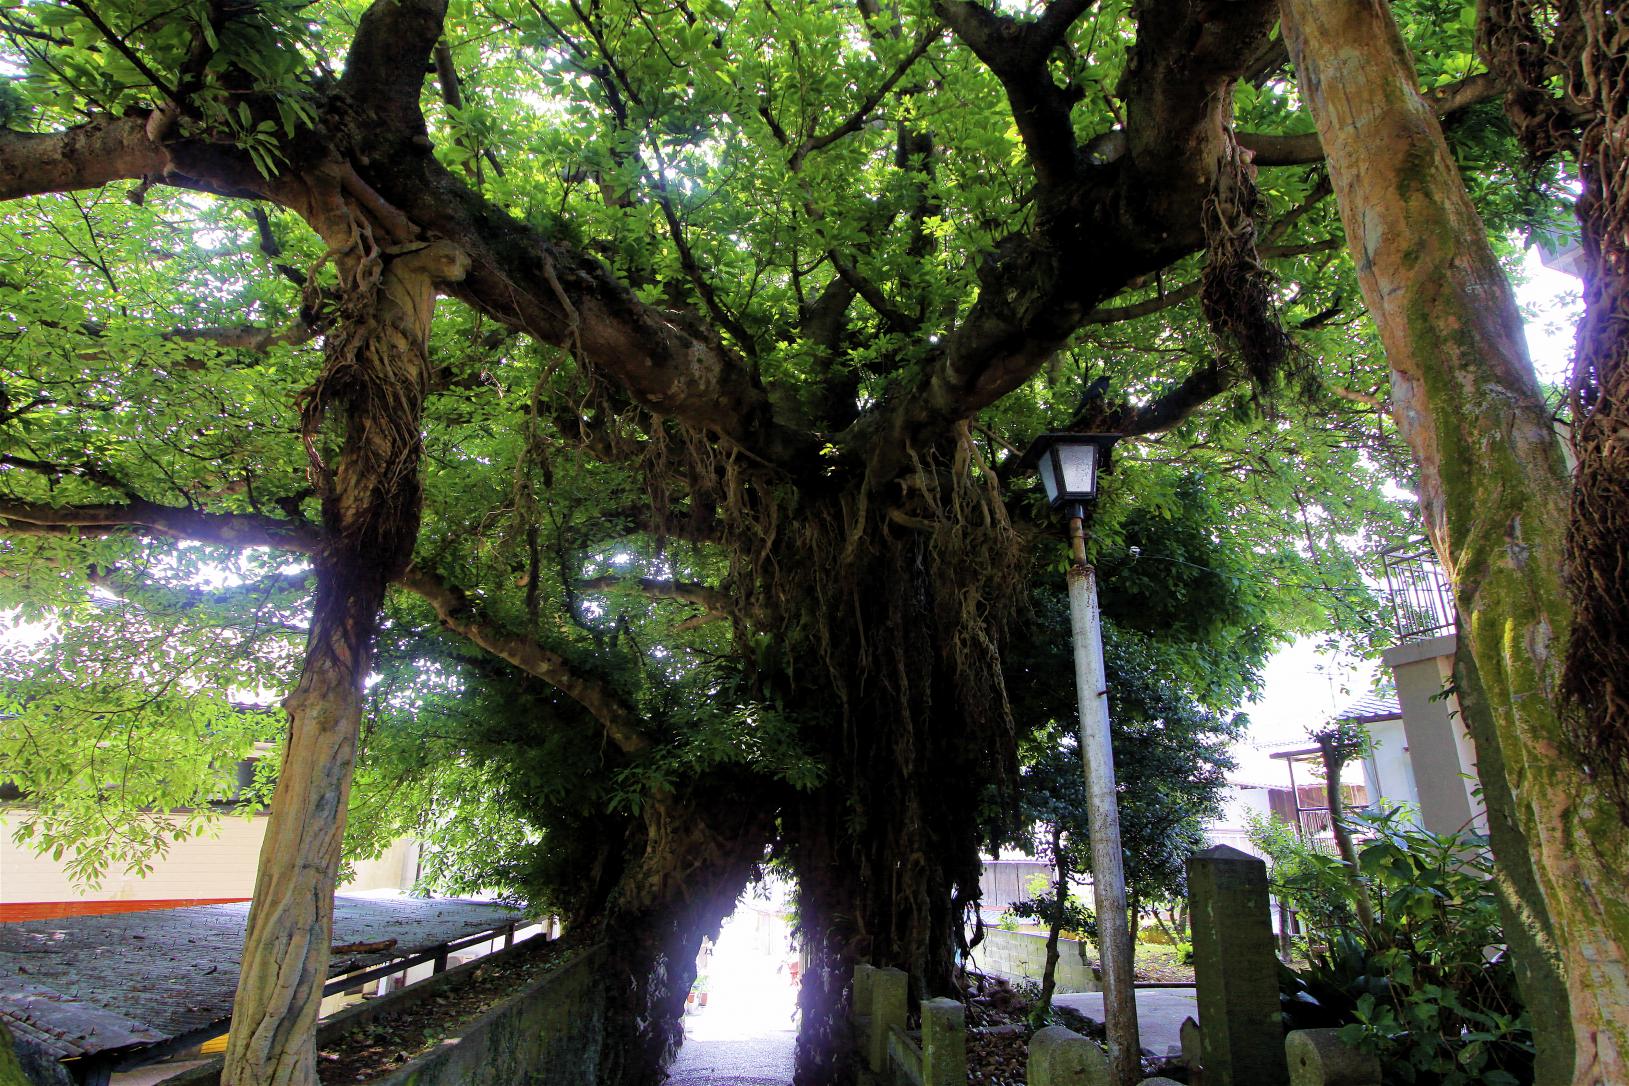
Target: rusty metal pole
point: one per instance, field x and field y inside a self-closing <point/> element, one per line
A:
<point x="1103" y="817"/>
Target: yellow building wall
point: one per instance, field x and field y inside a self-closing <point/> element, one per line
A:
<point x="218" y="865"/>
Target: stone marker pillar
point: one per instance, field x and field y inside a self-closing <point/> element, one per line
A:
<point x="890" y="991"/>
<point x="1193" y="1052"/>
<point x="944" y="1043"/>
<point x="860" y="990"/>
<point x="1235" y="969"/>
<point x="1318" y="1058"/>
<point x="1062" y="1057"/>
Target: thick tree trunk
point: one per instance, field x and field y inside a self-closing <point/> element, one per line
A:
<point x="377" y="372"/>
<point x="1492" y="487"/>
<point x="832" y="939"/>
<point x="1527" y="925"/>
<point x="883" y="881"/>
<point x="285" y="956"/>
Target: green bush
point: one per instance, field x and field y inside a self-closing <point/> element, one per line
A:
<point x="1307" y="875"/>
<point x="1428" y="987"/>
<point x="1078" y="921"/>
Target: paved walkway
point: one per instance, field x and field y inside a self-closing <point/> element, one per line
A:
<point x="1160" y="1012"/>
<point x="749" y="1061"/>
<point x="725" y="1050"/>
<point x="746" y="1034"/>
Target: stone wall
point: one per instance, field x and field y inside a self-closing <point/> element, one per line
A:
<point x="550" y="1031"/>
<point x="1021" y="955"/>
<point x="12" y="1069"/>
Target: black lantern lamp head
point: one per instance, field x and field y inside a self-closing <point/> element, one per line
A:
<point x="1069" y="465"/>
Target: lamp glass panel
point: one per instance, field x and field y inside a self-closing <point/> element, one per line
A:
<point x="1049" y="477"/>
<point x="1079" y="464"/>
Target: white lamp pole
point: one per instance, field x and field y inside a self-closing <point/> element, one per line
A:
<point x="1069" y="466"/>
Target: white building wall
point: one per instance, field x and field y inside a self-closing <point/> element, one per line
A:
<point x="1389" y="766"/>
<point x="1239" y="803"/>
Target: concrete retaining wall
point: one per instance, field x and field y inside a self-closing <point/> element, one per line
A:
<point x="550" y="1031"/>
<point x="1021" y="955"/>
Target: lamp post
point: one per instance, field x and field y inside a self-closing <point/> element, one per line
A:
<point x="1069" y="465"/>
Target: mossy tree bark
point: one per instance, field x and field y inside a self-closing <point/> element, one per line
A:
<point x="376" y="375"/>
<point x="1493" y="486"/>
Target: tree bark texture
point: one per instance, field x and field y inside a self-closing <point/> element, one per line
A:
<point x="1335" y="752"/>
<point x="1529" y="931"/>
<point x="1567" y="71"/>
<point x="904" y="638"/>
<point x="1492" y="484"/>
<point x="375" y="374"/>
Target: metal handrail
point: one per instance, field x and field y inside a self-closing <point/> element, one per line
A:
<point x="1422" y="597"/>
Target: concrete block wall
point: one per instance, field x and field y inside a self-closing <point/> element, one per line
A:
<point x="1021" y="955"/>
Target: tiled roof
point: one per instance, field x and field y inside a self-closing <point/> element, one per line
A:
<point x="1371" y="707"/>
<point x="94" y="984"/>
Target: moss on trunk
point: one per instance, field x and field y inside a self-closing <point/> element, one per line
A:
<point x="1493" y="492"/>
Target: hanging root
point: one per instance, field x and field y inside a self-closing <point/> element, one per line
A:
<point x="1236" y="290"/>
<point x="1528" y="44"/>
<point x="376" y="375"/>
<point x="889" y="613"/>
<point x="1596" y="677"/>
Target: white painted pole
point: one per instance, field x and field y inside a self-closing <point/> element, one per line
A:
<point x="1103" y="818"/>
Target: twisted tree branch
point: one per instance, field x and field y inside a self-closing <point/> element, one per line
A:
<point x="459" y="614"/>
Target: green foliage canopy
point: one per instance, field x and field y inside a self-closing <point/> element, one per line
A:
<point x="835" y="194"/>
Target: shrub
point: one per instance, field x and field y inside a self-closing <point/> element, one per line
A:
<point x="1307" y="875"/>
<point x="1428" y="986"/>
<point x="1077" y="922"/>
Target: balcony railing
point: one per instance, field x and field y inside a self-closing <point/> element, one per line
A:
<point x="1422" y="600"/>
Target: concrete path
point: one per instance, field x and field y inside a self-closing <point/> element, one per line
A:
<point x="746" y="1033"/>
<point x="749" y="1061"/>
<point x="1160" y="1012"/>
<point x="715" y="1054"/>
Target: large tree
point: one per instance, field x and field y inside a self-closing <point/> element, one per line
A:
<point x="749" y="307"/>
<point x="1493" y="485"/>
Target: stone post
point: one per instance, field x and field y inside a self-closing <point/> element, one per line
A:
<point x="1062" y="1057"/>
<point x="1235" y="970"/>
<point x="860" y="991"/>
<point x="944" y="1043"/>
<point x="1318" y="1058"/>
<point x="1193" y="1052"/>
<point x="890" y="991"/>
